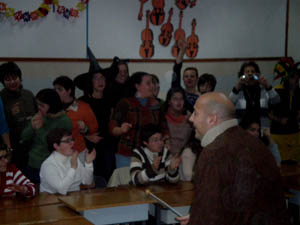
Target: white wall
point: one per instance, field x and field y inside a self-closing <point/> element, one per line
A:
<point x="38" y="75"/>
<point x="225" y="28"/>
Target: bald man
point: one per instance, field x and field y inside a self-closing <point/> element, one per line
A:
<point x="237" y="181"/>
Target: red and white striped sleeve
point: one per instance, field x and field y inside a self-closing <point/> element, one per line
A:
<point x="20" y="179"/>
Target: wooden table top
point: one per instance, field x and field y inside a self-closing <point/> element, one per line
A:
<point x="168" y="187"/>
<point x="75" y="221"/>
<point x="38" y="214"/>
<point x="177" y="198"/>
<point x="21" y="202"/>
<point x="105" y="199"/>
<point x="123" y="196"/>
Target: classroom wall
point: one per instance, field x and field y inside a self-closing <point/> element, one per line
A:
<point x="37" y="75"/>
<point x="255" y="27"/>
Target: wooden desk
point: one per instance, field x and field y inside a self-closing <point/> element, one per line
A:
<point x="21" y="202"/>
<point x="76" y="221"/>
<point x="167" y="187"/>
<point x="105" y="199"/>
<point x="130" y="203"/>
<point x="37" y="214"/>
<point x="112" y="205"/>
<point x="180" y="200"/>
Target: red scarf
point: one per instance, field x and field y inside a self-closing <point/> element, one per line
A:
<point x="175" y="119"/>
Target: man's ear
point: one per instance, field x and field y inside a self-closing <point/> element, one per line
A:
<point x="212" y="119"/>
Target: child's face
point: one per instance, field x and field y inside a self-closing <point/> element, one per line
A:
<point x="176" y="102"/>
<point x="4" y="158"/>
<point x="65" y="146"/>
<point x="43" y="107"/>
<point x="62" y="92"/>
<point x="123" y="74"/>
<point x="253" y="129"/>
<point x="99" y="82"/>
<point x="12" y="82"/>
<point x="155" y="143"/>
<point x="204" y="88"/>
<point x="156" y="88"/>
<point x="190" y="79"/>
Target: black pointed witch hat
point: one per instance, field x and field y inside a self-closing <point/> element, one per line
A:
<point x="81" y="81"/>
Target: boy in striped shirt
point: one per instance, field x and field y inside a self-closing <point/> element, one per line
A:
<point x="153" y="162"/>
<point x="12" y="179"/>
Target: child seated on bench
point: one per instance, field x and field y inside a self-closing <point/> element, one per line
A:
<point x="152" y="162"/>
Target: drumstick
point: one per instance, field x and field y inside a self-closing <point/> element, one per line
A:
<point x="163" y="203"/>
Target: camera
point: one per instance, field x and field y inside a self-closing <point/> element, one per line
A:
<point x="250" y="76"/>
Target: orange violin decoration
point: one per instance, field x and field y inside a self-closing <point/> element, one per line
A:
<point x="179" y="35"/>
<point x="140" y="16"/>
<point x="166" y="31"/>
<point x="147" y="47"/>
<point x="192" y="42"/>
<point x="158" y="13"/>
<point x="182" y="4"/>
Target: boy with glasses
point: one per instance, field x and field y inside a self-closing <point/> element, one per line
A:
<point x="62" y="171"/>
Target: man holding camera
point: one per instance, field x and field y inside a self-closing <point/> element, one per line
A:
<point x="252" y="94"/>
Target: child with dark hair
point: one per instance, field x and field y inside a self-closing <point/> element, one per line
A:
<point x="93" y="84"/>
<point x="177" y="116"/>
<point x="152" y="162"/>
<point x="116" y="81"/>
<point x="134" y="112"/>
<point x="20" y="106"/>
<point x="50" y="116"/>
<point x="253" y="94"/>
<point x="251" y="125"/>
<point x="62" y="171"/>
<point x="84" y="122"/>
<point x="12" y="180"/>
<point x="190" y="77"/>
<point x="206" y="83"/>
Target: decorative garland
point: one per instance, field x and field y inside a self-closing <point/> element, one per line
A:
<point x="43" y="10"/>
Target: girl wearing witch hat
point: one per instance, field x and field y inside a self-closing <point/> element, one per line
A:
<point x="93" y="85"/>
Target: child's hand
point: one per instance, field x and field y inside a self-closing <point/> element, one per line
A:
<point x="267" y="132"/>
<point x="125" y="127"/>
<point x="74" y="158"/>
<point x="17" y="188"/>
<point x="81" y="126"/>
<point x="37" y="121"/>
<point x="15" y="109"/>
<point x="175" y="161"/>
<point x="182" y="44"/>
<point x="95" y="138"/>
<point x="184" y="220"/>
<point x="156" y="162"/>
<point x="89" y="157"/>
